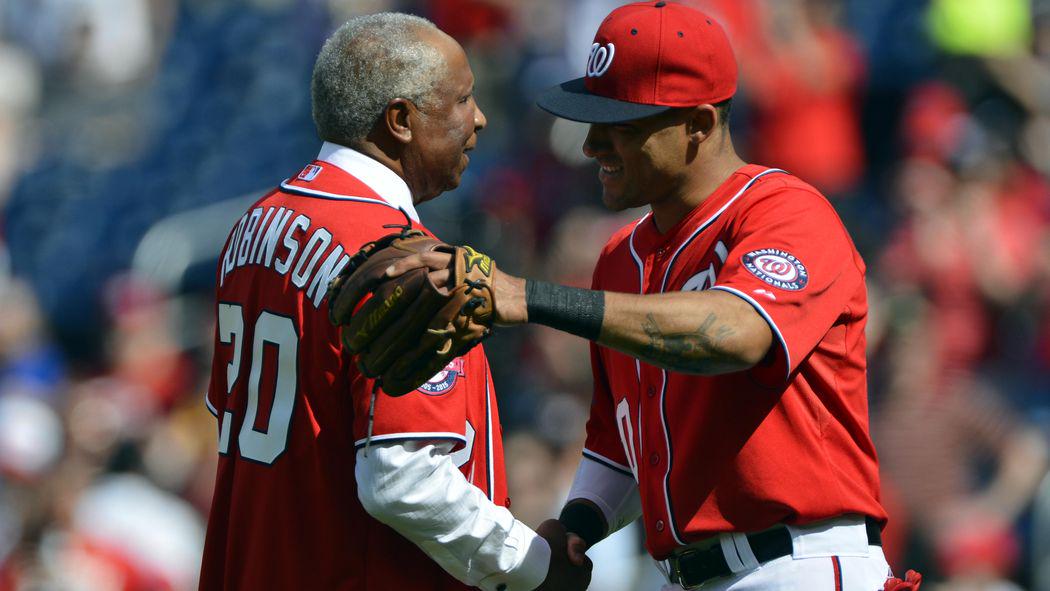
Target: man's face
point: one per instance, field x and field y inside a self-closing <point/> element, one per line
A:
<point x="640" y="162"/>
<point x="445" y="129"/>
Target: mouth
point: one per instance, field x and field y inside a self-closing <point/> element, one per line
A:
<point x="608" y="172"/>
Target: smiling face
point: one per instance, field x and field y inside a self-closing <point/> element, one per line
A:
<point x="445" y="128"/>
<point x="640" y="162"/>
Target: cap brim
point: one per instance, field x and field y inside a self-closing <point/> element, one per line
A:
<point x="571" y="100"/>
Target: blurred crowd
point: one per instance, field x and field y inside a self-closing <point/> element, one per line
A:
<point x="133" y="133"/>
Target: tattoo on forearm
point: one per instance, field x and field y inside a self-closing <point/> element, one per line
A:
<point x="685" y="350"/>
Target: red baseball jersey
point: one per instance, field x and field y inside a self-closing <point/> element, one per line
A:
<point x="784" y="442"/>
<point x="292" y="408"/>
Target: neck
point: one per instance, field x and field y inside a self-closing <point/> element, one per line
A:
<point x="703" y="176"/>
<point x="386" y="157"/>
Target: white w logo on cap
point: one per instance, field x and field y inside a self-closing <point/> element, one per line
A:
<point x="600" y="60"/>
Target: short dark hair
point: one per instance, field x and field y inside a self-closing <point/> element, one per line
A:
<point x="724" y="108"/>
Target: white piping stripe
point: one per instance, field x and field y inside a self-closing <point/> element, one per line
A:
<point x="214" y="411"/>
<point x="488" y="440"/>
<point x="667" y="474"/>
<point x="711" y="220"/>
<point x="641" y="281"/>
<point x="598" y="456"/>
<point x="421" y="435"/>
<point x="663" y="372"/>
<point x="765" y="315"/>
<point x="315" y="192"/>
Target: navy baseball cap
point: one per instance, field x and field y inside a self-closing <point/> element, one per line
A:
<point x="648" y="58"/>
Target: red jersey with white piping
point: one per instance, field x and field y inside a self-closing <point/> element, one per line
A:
<point x="292" y="409"/>
<point x="784" y="442"/>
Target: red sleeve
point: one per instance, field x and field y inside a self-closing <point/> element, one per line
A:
<point x="440" y="414"/>
<point x="416" y="415"/>
<point x="791" y="258"/>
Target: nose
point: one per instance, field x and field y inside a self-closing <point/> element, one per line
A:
<point x="480" y="121"/>
<point x="597" y="141"/>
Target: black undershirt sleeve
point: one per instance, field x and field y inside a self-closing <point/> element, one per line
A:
<point x="584" y="520"/>
<point x="570" y="309"/>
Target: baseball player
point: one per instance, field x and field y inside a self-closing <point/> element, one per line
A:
<point x="320" y="485"/>
<point x="730" y="401"/>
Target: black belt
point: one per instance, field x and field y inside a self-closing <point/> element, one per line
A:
<point x="691" y="567"/>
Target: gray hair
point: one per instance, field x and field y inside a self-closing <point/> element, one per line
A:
<point x="365" y="64"/>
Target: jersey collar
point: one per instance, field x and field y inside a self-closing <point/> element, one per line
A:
<point x="648" y="238"/>
<point x="385" y="182"/>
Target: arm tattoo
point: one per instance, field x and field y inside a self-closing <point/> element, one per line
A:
<point x="685" y="351"/>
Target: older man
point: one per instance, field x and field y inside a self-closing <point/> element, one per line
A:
<point x="320" y="482"/>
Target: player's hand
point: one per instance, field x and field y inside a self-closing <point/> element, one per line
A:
<point x="437" y="262"/>
<point x="570" y="569"/>
<point x="577" y="549"/>
<point x="509" y="290"/>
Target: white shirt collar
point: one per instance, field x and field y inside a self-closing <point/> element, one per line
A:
<point x="385" y="182"/>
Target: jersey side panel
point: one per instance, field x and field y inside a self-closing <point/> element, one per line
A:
<point x="610" y="436"/>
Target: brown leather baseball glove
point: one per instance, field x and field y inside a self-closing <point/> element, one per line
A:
<point x="410" y="328"/>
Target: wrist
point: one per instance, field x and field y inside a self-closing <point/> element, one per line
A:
<point x="585" y="519"/>
<point x="531" y="570"/>
<point x="509" y="294"/>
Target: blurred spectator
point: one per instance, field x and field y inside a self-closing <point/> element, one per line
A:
<point x="20" y="79"/>
<point x="934" y="436"/>
<point x="803" y="78"/>
<point x="29" y="361"/>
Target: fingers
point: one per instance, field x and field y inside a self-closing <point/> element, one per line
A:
<point x="576" y="548"/>
<point x="440" y="278"/>
<point x="433" y="260"/>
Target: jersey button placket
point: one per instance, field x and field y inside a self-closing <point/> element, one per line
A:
<point x="660" y="525"/>
<point x="654" y="458"/>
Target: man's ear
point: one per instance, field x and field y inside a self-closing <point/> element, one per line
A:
<point x="398" y="121"/>
<point x="702" y="123"/>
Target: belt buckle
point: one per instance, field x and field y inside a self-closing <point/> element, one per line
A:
<point x="676" y="569"/>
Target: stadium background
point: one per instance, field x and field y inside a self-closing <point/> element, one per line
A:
<point x="133" y="132"/>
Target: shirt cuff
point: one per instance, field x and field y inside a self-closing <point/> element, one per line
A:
<point x="532" y="570"/>
<point x="613" y="492"/>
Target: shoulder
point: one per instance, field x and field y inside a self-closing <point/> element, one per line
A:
<point x="785" y="190"/>
<point x="780" y="198"/>
<point x="348" y="217"/>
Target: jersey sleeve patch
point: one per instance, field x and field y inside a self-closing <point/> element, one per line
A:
<point x="444" y="380"/>
<point x="778" y="268"/>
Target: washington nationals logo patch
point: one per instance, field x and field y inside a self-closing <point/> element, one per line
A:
<point x="600" y="59"/>
<point x="444" y="380"/>
<point x="777" y="267"/>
